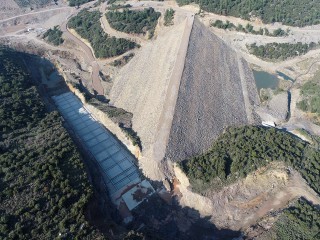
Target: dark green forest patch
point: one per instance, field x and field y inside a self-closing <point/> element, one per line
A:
<point x="44" y="188"/>
<point x="54" y="36"/>
<point x="134" y="21"/>
<point x="87" y="25"/>
<point x="248" y="29"/>
<point x="240" y="151"/>
<point x="298" y="13"/>
<point x="280" y="51"/>
<point x="300" y="221"/>
<point x="78" y="2"/>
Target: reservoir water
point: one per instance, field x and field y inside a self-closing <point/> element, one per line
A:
<point x="265" y="80"/>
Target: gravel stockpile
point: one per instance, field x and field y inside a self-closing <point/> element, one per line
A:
<point x="210" y="97"/>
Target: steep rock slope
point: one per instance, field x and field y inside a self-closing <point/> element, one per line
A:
<point x="213" y="95"/>
<point x="183" y="89"/>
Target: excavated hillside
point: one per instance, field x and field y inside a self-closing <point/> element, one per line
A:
<point x="183" y="89"/>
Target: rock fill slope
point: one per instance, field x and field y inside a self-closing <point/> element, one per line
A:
<point x="183" y="89"/>
<point x="213" y="95"/>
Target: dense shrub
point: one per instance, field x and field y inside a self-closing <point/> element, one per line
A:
<point x="78" y="2"/>
<point x="289" y="12"/>
<point x="280" y="51"/>
<point x="87" y="25"/>
<point x="168" y="17"/>
<point x="43" y="184"/>
<point x="310" y="92"/>
<point x="240" y="151"/>
<point x="248" y="29"/>
<point x="299" y="221"/>
<point x="54" y="36"/>
<point x="134" y="21"/>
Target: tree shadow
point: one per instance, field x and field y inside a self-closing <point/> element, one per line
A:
<point x="156" y="218"/>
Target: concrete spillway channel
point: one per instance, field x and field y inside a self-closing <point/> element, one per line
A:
<point x="117" y="164"/>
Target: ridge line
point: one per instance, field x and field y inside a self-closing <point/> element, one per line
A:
<point x="167" y="113"/>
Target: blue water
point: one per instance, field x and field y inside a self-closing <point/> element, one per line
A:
<point x="284" y="76"/>
<point x="265" y="80"/>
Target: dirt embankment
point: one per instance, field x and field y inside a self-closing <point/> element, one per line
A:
<point x="243" y="203"/>
<point x="141" y="88"/>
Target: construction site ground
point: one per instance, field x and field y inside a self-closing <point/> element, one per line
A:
<point x="180" y="212"/>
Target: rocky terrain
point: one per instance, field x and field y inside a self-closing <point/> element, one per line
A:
<point x="182" y="89"/>
<point x="211" y="96"/>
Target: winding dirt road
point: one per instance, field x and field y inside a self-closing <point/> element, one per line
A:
<point x="89" y="57"/>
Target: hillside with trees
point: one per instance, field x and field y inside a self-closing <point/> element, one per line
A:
<point x="78" y="2"/>
<point x="54" y="36"/>
<point x="134" y="21"/>
<point x="289" y="12"/>
<point x="33" y="3"/>
<point x="87" y="25"/>
<point x="310" y="93"/>
<point x="248" y="29"/>
<point x="280" y="51"/>
<point x="300" y="221"/>
<point x="43" y="183"/>
<point x="240" y="151"/>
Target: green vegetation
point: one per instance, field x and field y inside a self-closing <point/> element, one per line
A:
<point x="248" y="29"/>
<point x="240" y="151"/>
<point x="123" y="61"/>
<point x="134" y="21"/>
<point x="54" y="36"/>
<point x="132" y="135"/>
<point x="300" y="221"/>
<point x="118" y="115"/>
<point x="168" y="17"/>
<point x="32" y="3"/>
<point x="289" y="12"/>
<point x="115" y="7"/>
<point x="43" y="184"/>
<point x="280" y="51"/>
<point x="310" y="92"/>
<point x="78" y="2"/>
<point x="87" y="25"/>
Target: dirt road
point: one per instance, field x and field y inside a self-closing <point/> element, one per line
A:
<point x="89" y="57"/>
<point x="33" y="13"/>
<point x="112" y="32"/>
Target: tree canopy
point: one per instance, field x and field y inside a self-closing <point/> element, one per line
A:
<point x="240" y="151"/>
<point x="289" y="12"/>
<point x="87" y="25"/>
<point x="43" y="183"/>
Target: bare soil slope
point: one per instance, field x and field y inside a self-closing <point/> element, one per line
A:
<point x="142" y="84"/>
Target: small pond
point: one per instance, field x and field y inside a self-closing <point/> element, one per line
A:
<point x="265" y="80"/>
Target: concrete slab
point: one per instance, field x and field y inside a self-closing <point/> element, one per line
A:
<point x="115" y="161"/>
<point x="113" y="172"/>
<point x="138" y="194"/>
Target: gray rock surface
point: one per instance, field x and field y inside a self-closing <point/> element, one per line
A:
<point x="211" y="95"/>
